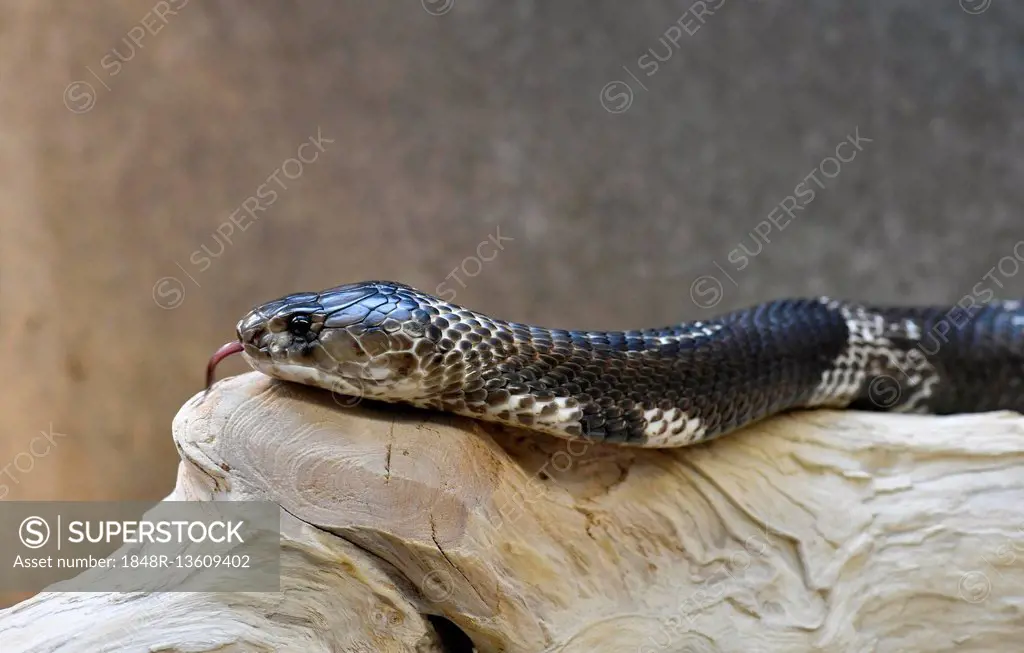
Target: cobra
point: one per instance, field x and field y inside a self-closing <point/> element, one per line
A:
<point x="661" y="387"/>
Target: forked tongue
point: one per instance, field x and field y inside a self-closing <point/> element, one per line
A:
<point x="219" y="355"/>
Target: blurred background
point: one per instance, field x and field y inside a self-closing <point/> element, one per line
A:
<point x="580" y="164"/>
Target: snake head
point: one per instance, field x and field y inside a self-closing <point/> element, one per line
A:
<point x="370" y="339"/>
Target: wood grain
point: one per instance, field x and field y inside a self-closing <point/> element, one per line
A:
<point x="837" y="531"/>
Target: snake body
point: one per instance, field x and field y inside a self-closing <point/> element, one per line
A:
<point x="661" y="387"/>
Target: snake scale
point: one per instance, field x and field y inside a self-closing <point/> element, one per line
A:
<point x="662" y="387"/>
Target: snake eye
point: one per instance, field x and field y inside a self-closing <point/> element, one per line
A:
<point x="299" y="325"/>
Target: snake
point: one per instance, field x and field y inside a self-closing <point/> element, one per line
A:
<point x="654" y="387"/>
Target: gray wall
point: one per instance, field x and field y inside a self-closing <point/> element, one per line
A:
<point x="443" y="130"/>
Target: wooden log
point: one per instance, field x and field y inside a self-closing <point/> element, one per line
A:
<point x="823" y="530"/>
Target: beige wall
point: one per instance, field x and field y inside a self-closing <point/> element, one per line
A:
<point x="445" y="129"/>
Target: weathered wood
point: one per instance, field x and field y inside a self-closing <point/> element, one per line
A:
<point x="825" y="530"/>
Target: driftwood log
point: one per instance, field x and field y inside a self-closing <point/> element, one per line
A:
<point x="813" y="531"/>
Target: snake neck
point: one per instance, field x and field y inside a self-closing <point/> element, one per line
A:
<point x="619" y="386"/>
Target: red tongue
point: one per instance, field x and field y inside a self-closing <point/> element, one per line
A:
<point x="218" y="356"/>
